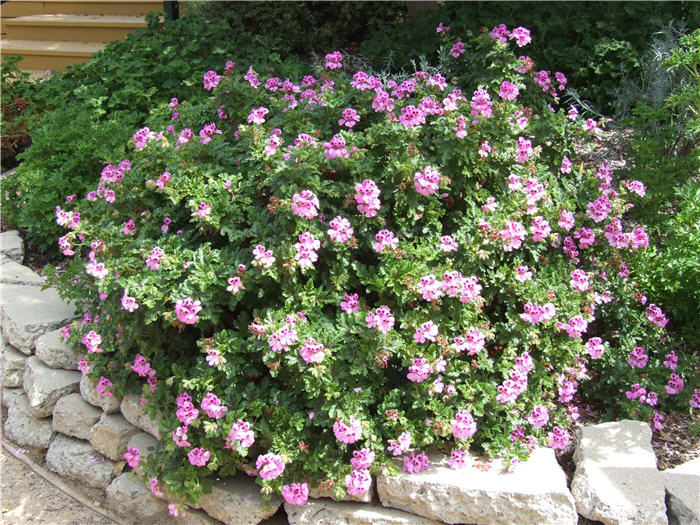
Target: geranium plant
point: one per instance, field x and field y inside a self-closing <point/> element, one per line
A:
<point x="309" y="278"/>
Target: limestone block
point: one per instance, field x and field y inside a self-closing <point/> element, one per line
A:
<point x="72" y="416"/>
<point x="238" y="501"/>
<point x="683" y="490"/>
<point x="23" y="428"/>
<point x="28" y="312"/>
<point x="138" y="416"/>
<point x="14" y="273"/>
<point x="110" y="435"/>
<point x="45" y="386"/>
<point x="10" y="395"/>
<point x="192" y="517"/>
<point x="52" y="349"/>
<point x="129" y="497"/>
<point x="616" y="480"/>
<point x="329" y="512"/>
<point x="535" y="492"/>
<point x="77" y="460"/>
<point x="90" y="394"/>
<point x="12" y="366"/>
<point x="11" y="246"/>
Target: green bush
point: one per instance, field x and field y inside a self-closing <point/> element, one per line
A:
<point x="338" y="271"/>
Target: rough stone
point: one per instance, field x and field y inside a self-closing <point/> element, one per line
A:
<point x="28" y="312"/>
<point x="683" y="493"/>
<point x="535" y="492"/>
<point x="129" y="497"/>
<point x="45" y="386"/>
<point x="193" y="517"/>
<point x="88" y="389"/>
<point x="238" y="501"/>
<point x="329" y="512"/>
<point x="135" y="414"/>
<point x="53" y="351"/>
<point x="146" y="445"/>
<point x="110" y="435"/>
<point x="11" y="246"/>
<point x="14" y="273"/>
<point x="10" y="395"/>
<point x="77" y="460"/>
<point x="616" y="480"/>
<point x="72" y="416"/>
<point x="12" y="365"/>
<point x="23" y="428"/>
<point x="317" y="493"/>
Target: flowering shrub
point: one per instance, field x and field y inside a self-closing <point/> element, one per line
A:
<point x="304" y="300"/>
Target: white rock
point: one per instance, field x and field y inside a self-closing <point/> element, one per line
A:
<point x="52" y="349"/>
<point x="12" y="366"/>
<point x="14" y="273"/>
<point x="72" y="416"/>
<point x="28" y="312"/>
<point x="23" y="428"/>
<point x="110" y="435"/>
<point x="193" y="517"/>
<point x="10" y="395"/>
<point x="535" y="492"/>
<point x="683" y="490"/>
<point x="11" y="246"/>
<point x="616" y="479"/>
<point x="129" y="497"/>
<point x="318" y="493"/>
<point x="77" y="460"/>
<point x="238" y="501"/>
<point x="45" y="386"/>
<point x="88" y="390"/>
<point x="329" y="512"/>
<point x="138" y="416"/>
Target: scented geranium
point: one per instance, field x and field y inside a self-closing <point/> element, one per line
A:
<point x="378" y="261"/>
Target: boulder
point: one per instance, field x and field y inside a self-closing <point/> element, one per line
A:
<point x="616" y="479"/>
<point x="72" y="416"/>
<point x="135" y="414"/>
<point x="52" y="349"/>
<point x="683" y="493"/>
<point x="22" y="427"/>
<point x="238" y="501"/>
<point x="110" y="435"/>
<point x="317" y="493"/>
<point x="534" y="492"/>
<point x="88" y="390"/>
<point x="28" y="312"/>
<point x="12" y="366"/>
<point x="329" y="512"/>
<point x="14" y="273"/>
<point x="129" y="497"/>
<point x="11" y="246"/>
<point x="45" y="386"/>
<point x="77" y="460"/>
<point x="146" y="445"/>
<point x="10" y="395"/>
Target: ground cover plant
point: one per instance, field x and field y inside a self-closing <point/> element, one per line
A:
<point x="311" y="277"/>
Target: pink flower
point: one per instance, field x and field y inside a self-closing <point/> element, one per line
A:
<point x="447" y="244"/>
<point x="212" y="406"/>
<point x="210" y="81"/>
<point x="362" y="459"/>
<point x="415" y="463"/>
<point x="458" y="459"/>
<point x="523" y="274"/>
<point x="521" y="35"/>
<point x="500" y="33"/>
<point x="198" y="456"/>
<point x="306" y="249"/>
<point x="103" y="384"/>
<point x="141" y="366"/>
<point x="594" y="347"/>
<point x="347" y="433"/>
<point x="579" y="280"/>
<point x="334" y="60"/>
<point x="92" y="340"/>
<point x="263" y="256"/>
<point x="463" y="425"/>
<point x="523" y="150"/>
<point x="187" y="309"/>
<point x="296" y="493"/>
<point x="312" y="351"/>
<point x="427" y="182"/>
<point x="508" y="91"/>
<point x="385" y="241"/>
<point x="129" y="303"/>
<point x="207" y="132"/>
<point x="132" y="457"/>
<point x="401" y="445"/>
<point x="367" y="198"/>
<point x="257" y="116"/>
<point x="457" y="49"/>
<point x="336" y="148"/>
<point x="656" y="316"/>
<point x="351" y="304"/>
<point x="350" y="118"/>
<point x="539" y="416"/>
<point x="481" y="104"/>
<point x="558" y="438"/>
<point x="358" y="482"/>
<point x="427" y="331"/>
<point x="675" y="385"/>
<point x="270" y="466"/>
<point x="214" y="358"/>
<point x="241" y="432"/>
<point x="305" y="204"/>
<point x="340" y="229"/>
<point x="381" y="319"/>
<point x="235" y="285"/>
<point x="180" y="437"/>
<point x="419" y="370"/>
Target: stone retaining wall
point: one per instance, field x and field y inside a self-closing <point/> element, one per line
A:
<point x="52" y="406"/>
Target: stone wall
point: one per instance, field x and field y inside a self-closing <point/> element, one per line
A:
<point x="49" y="405"/>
